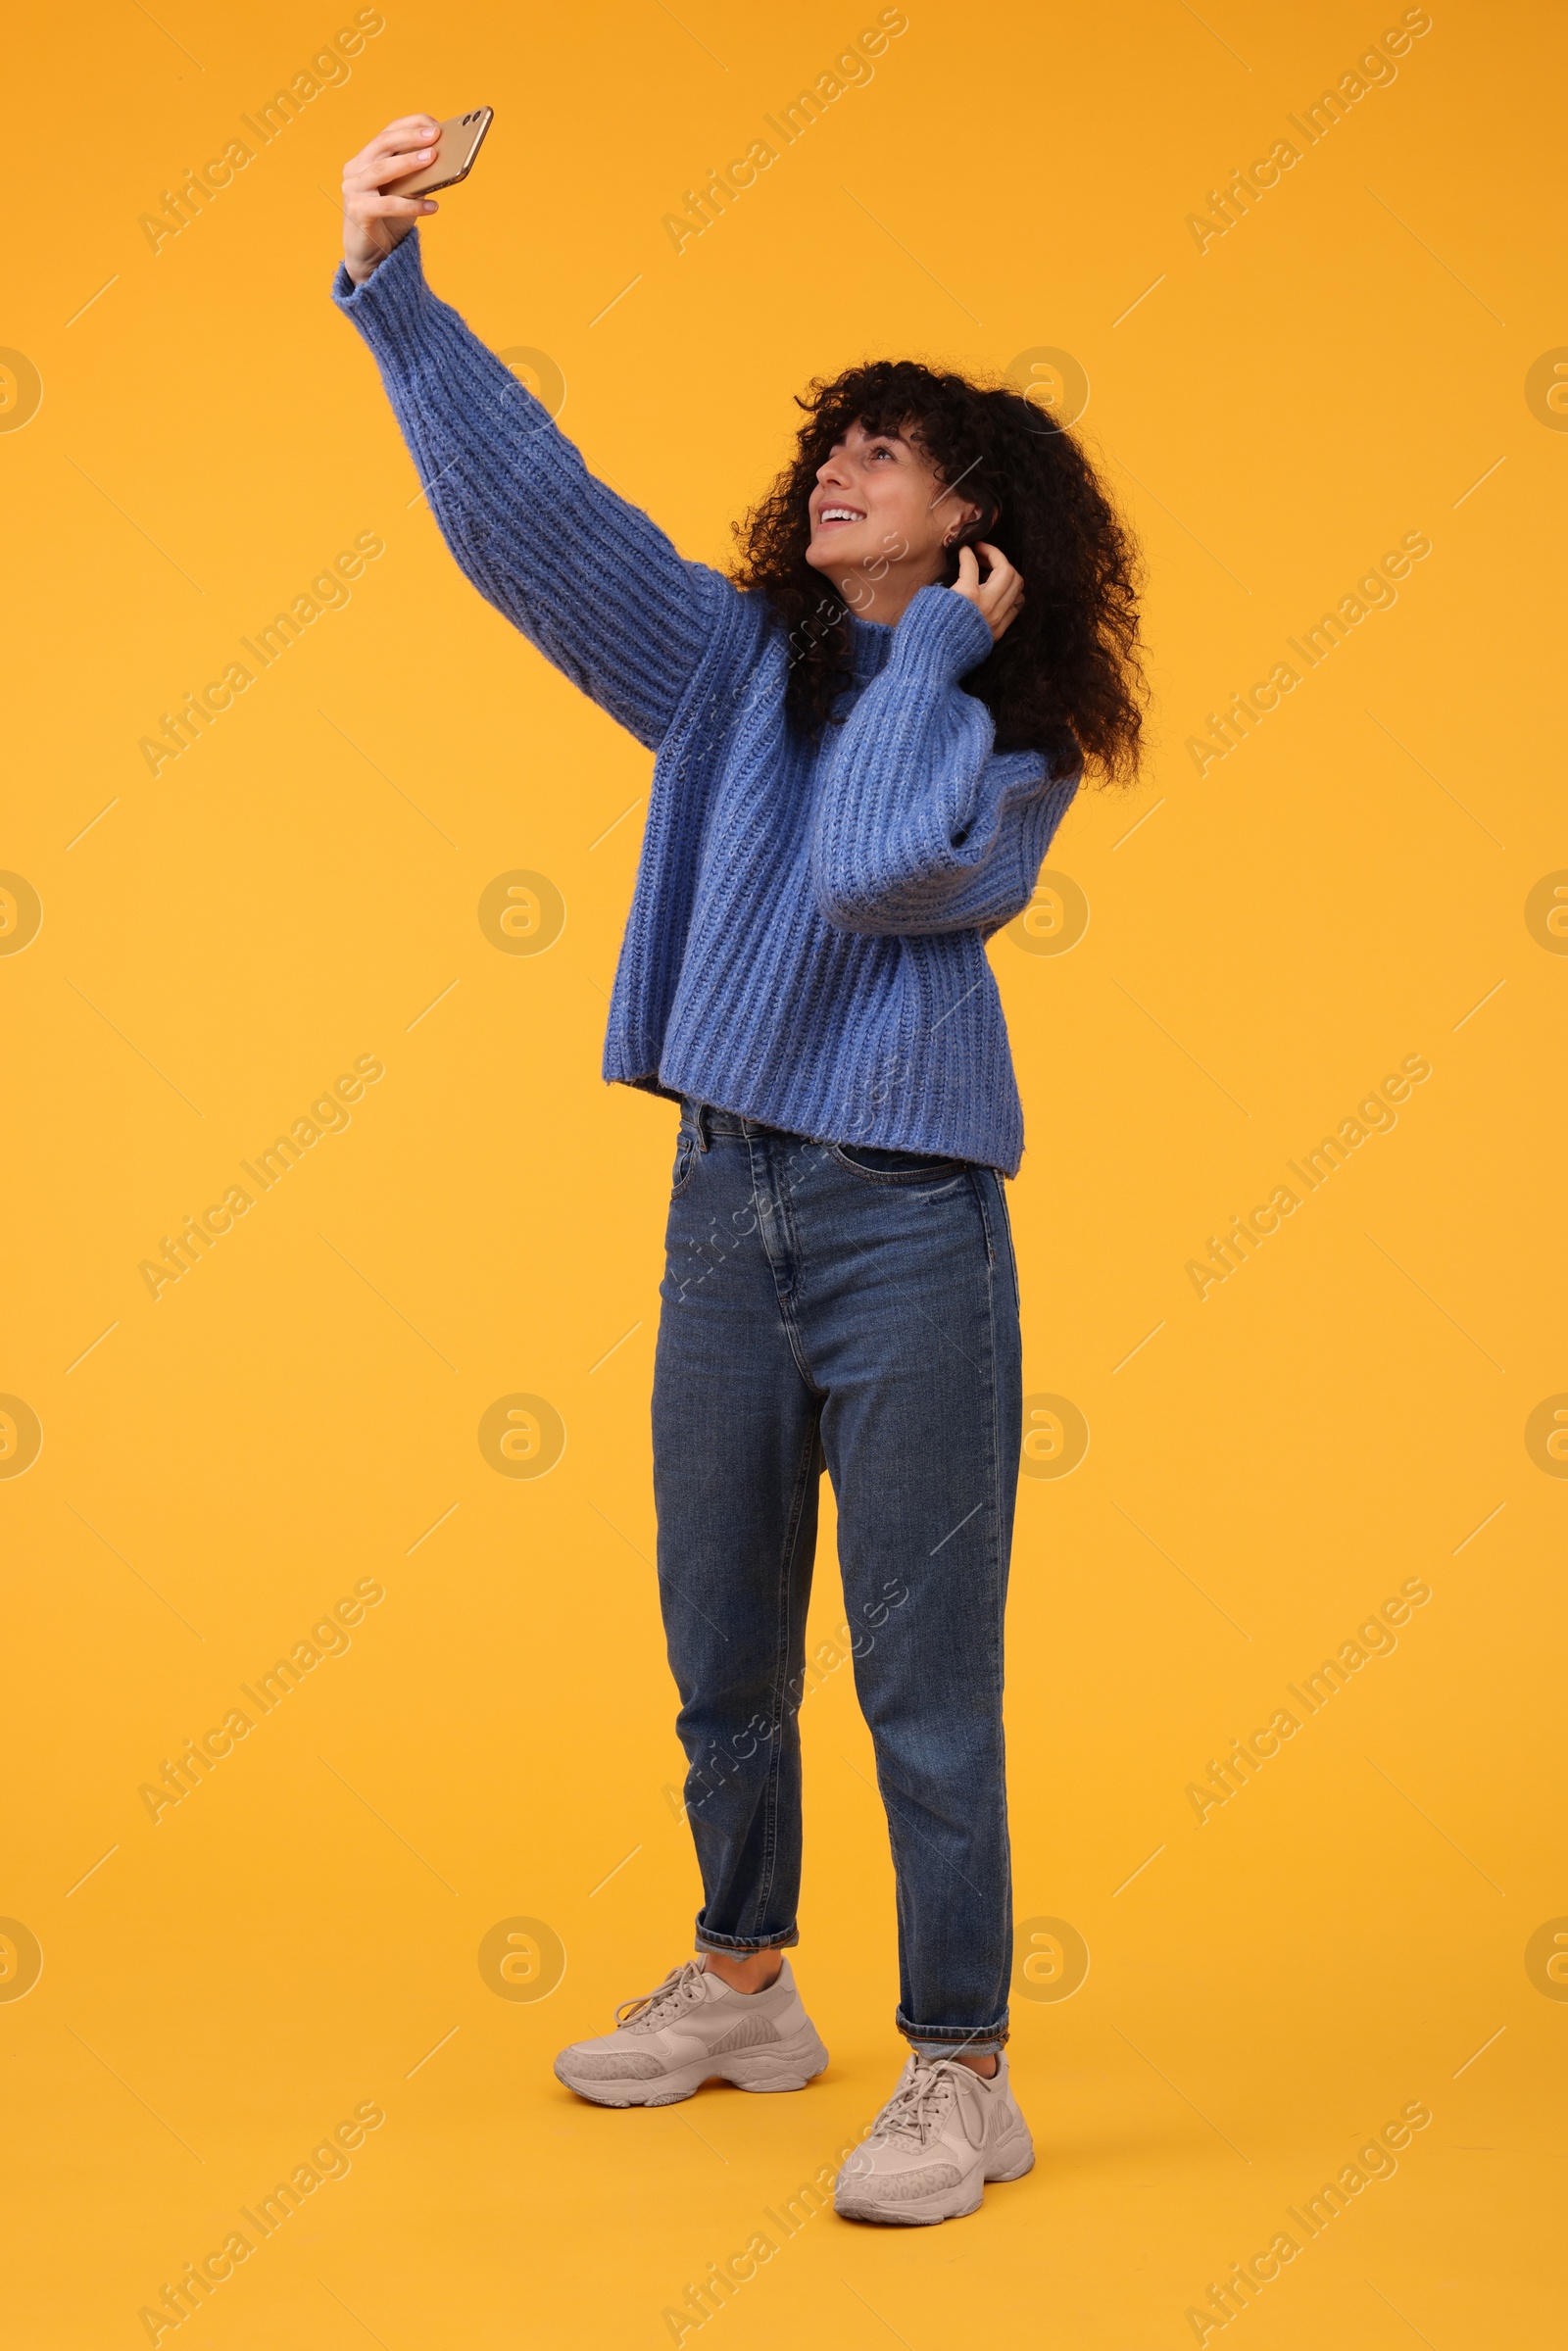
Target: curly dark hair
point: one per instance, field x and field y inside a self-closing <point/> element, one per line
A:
<point x="1066" y="678"/>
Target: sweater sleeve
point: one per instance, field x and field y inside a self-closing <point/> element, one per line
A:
<point x="586" y="577"/>
<point x="922" y="826"/>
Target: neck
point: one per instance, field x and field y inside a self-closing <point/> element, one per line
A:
<point x="889" y="598"/>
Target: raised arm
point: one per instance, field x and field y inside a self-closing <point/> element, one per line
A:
<point x="586" y="577"/>
<point x="920" y="825"/>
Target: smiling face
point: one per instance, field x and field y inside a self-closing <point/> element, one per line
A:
<point x="880" y="520"/>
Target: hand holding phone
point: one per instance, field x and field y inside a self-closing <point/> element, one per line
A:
<point x="386" y="186"/>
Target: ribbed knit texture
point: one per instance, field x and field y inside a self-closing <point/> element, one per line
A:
<point x="805" y="939"/>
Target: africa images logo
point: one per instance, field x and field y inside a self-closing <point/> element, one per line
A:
<point x="329" y="1115"/>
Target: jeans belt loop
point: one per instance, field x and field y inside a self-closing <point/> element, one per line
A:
<point x="701" y="1122"/>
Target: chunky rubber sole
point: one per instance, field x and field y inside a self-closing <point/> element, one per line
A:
<point x="760" y="2071"/>
<point x="923" y="2212"/>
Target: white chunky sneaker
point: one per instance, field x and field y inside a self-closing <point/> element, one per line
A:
<point x="692" y="2029"/>
<point x="940" y="2138"/>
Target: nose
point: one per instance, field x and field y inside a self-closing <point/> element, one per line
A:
<point x="831" y="471"/>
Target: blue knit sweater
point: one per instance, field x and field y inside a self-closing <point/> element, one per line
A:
<point x="806" y="944"/>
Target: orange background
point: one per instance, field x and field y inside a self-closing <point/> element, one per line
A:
<point x="300" y="1413"/>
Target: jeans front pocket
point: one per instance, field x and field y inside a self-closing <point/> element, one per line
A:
<point x="876" y="1166"/>
<point x="685" y="1162"/>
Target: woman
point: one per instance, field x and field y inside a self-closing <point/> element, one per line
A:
<point x="864" y="748"/>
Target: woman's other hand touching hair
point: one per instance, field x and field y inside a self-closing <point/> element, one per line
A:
<point x="999" y="597"/>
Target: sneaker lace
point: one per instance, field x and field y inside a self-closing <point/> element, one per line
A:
<point x="677" y="1992"/>
<point x="922" y="2100"/>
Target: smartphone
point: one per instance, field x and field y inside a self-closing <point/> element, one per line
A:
<point x="457" y="142"/>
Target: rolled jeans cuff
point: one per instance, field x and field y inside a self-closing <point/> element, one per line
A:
<point x="955" y="2040"/>
<point x="740" y="1946"/>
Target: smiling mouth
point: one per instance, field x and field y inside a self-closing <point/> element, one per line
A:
<point x="835" y="515"/>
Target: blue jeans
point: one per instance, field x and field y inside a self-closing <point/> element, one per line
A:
<point x="860" y="1307"/>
